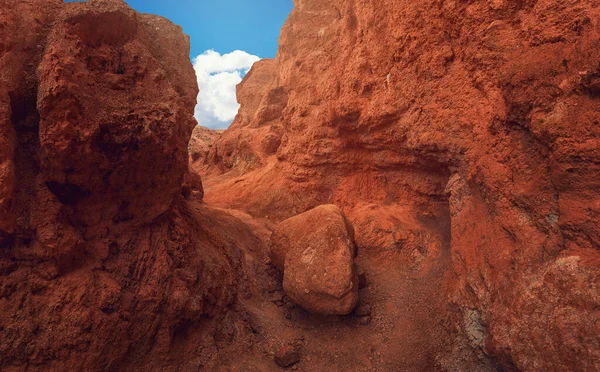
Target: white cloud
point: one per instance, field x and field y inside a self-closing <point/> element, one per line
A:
<point x="217" y="77"/>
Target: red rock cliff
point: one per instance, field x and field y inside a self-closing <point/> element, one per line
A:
<point x="102" y="264"/>
<point x="466" y="132"/>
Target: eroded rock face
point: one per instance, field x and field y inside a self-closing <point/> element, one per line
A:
<point x="21" y="46"/>
<point x="102" y="264"/>
<point x="115" y="110"/>
<point x="462" y="133"/>
<point x="256" y="132"/>
<point x="315" y="250"/>
<point x="200" y="146"/>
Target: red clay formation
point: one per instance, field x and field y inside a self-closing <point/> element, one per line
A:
<point x="459" y="138"/>
<point x="199" y="147"/>
<point x="103" y="266"/>
<point x="462" y="136"/>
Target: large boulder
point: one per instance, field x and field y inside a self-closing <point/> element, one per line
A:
<point x="315" y="250"/>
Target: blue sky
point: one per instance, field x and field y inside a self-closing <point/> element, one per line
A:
<point x="226" y="37"/>
<point x="224" y="25"/>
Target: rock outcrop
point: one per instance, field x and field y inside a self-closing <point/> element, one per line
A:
<point x="103" y="265"/>
<point x="464" y="134"/>
<point x="200" y="145"/>
<point x="315" y="251"/>
<point x="255" y="133"/>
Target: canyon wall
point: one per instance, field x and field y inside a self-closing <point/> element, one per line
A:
<point x="464" y="133"/>
<point x="103" y="265"/>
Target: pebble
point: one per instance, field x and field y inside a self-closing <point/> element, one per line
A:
<point x="289" y="305"/>
<point x="286" y="356"/>
<point x="365" y="320"/>
<point x="362" y="279"/>
<point x="363" y="310"/>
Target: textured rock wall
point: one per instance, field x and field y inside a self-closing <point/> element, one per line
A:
<point x="256" y="130"/>
<point x="465" y="133"/>
<point x="103" y="265"/>
<point x="200" y="146"/>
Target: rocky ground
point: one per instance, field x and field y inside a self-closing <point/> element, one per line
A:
<point x="400" y="324"/>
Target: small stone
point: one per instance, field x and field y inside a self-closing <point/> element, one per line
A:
<point x="363" y="310"/>
<point x="362" y="279"/>
<point x="286" y="356"/>
<point x="278" y="299"/>
<point x="289" y="305"/>
<point x="298" y="342"/>
<point x="365" y="320"/>
<point x="496" y="24"/>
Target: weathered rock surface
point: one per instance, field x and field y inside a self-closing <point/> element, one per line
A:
<point x="114" y="103"/>
<point x="192" y="186"/>
<point x="315" y="250"/>
<point x="103" y="266"/>
<point x="255" y="133"/>
<point x="463" y="134"/>
<point x="199" y="147"/>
